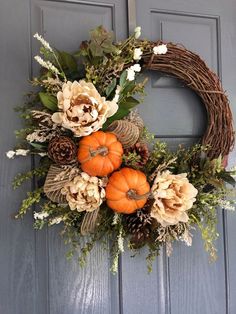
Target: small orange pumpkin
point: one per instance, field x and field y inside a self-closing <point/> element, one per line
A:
<point x="100" y="153"/>
<point x="127" y="190"/>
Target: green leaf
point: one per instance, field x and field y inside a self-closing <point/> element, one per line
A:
<point x="96" y="50"/>
<point x="121" y="113"/>
<point x="68" y="61"/>
<point x="215" y="182"/>
<point x="123" y="78"/>
<point x="101" y="42"/>
<point x="49" y="101"/>
<point x="129" y="103"/>
<point x="228" y="178"/>
<point x="111" y="87"/>
<point x="128" y="88"/>
<point x="38" y="146"/>
<point x="33" y="197"/>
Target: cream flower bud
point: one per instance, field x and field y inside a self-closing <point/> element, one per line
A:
<point x="40" y="215"/>
<point x="137" y="54"/>
<point x="160" y="50"/>
<point x="10" y="154"/>
<point x="56" y="220"/>
<point x="130" y="74"/>
<point x="22" y="152"/>
<point x="131" y="71"/>
<point x="137" y="32"/>
<point x="136" y="67"/>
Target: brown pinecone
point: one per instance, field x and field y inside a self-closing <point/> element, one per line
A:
<point x="62" y="150"/>
<point x="141" y="149"/>
<point x="139" y="225"/>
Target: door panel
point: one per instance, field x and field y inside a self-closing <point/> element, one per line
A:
<point x="35" y="276"/>
<point x="192" y="284"/>
<point x="17" y="261"/>
<point x="72" y="289"/>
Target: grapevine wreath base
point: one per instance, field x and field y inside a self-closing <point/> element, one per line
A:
<point x="100" y="172"/>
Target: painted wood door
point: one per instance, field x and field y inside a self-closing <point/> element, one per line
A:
<point x="35" y="277"/>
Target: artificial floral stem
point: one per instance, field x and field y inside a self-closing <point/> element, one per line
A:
<point x="60" y="67"/>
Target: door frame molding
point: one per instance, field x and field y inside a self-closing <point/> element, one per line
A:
<point x="132" y="21"/>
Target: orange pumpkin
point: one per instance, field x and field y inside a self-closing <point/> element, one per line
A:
<point x="127" y="190"/>
<point x="100" y="154"/>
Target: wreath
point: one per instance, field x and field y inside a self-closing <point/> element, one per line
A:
<point x="99" y="171"/>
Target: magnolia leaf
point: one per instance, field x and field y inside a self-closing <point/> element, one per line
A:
<point x="68" y="61"/>
<point x="128" y="88"/>
<point x="215" y="182"/>
<point x="121" y="113"/>
<point x="49" y="101"/>
<point x="129" y="103"/>
<point x="228" y="178"/>
<point x="38" y="146"/>
<point x="111" y="87"/>
<point x="123" y="78"/>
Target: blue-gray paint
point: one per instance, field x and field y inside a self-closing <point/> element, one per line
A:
<point x="35" y="277"/>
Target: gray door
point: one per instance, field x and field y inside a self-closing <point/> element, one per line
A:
<point x="35" y="277"/>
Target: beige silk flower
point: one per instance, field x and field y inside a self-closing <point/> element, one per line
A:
<point x="84" y="193"/>
<point x="173" y="196"/>
<point x="82" y="109"/>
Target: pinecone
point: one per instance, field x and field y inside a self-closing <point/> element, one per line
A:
<point x="141" y="149"/>
<point x="139" y="225"/>
<point x="62" y="150"/>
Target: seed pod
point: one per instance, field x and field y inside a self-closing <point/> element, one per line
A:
<point x="126" y="132"/>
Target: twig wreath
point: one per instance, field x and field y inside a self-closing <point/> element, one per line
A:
<point x="100" y="172"/>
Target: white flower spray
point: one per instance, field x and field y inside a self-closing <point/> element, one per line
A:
<point x="47" y="64"/>
<point x="115" y="219"/>
<point x="56" y="220"/>
<point x="18" y="152"/>
<point x="119" y="241"/>
<point x="40" y="215"/>
<point x="227" y="204"/>
<point x="44" y="43"/>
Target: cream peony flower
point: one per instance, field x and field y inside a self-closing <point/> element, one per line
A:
<point x="83" y="110"/>
<point x="173" y="196"/>
<point x="84" y="193"/>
